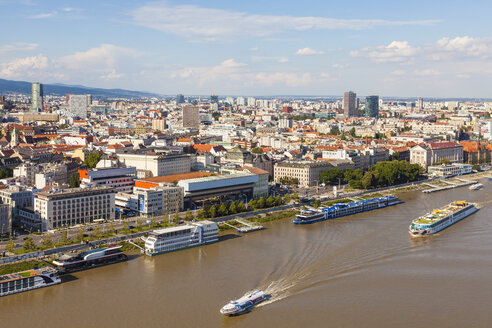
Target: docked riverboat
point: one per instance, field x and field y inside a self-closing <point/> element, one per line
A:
<point x="180" y="237"/>
<point x="441" y="218"/>
<point x="26" y="280"/>
<point x="243" y="304"/>
<point x="342" y="209"/>
<point x="476" y="186"/>
<point x="89" y="259"/>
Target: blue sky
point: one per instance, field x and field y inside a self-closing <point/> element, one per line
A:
<point x="415" y="48"/>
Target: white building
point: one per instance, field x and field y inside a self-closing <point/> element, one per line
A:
<point x="77" y="106"/>
<point x="158" y="165"/>
<point x="121" y="179"/>
<point x="70" y="207"/>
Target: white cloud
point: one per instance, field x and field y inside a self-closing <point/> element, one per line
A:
<point x="44" y="15"/>
<point x="395" y="52"/>
<point x="18" y="46"/>
<point x="399" y="72"/>
<point x="466" y="46"/>
<point x="340" y="66"/>
<point x="112" y="75"/>
<point x="27" y="66"/>
<point x="106" y="56"/>
<point x="283" y="60"/>
<point x="205" y="24"/>
<point x="269" y="79"/>
<point x="254" y="49"/>
<point x="103" y="62"/>
<point x="426" y="72"/>
<point x="228" y="69"/>
<point x="308" y="52"/>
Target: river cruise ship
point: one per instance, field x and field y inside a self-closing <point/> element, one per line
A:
<point x="441" y="218"/>
<point x="343" y="209"/>
<point x="90" y="259"/>
<point x="180" y="237"/>
<point x="26" y="280"/>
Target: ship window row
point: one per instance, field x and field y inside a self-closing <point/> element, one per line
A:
<point x="16" y="284"/>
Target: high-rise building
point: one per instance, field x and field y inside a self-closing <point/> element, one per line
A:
<point x="251" y="101"/>
<point x="421" y="103"/>
<point x="180" y="99"/>
<point x="159" y="124"/>
<point x="214" y="99"/>
<point x="372" y="106"/>
<point x="349" y="100"/>
<point x="191" y="117"/>
<point x="37" y="97"/>
<point x="77" y="106"/>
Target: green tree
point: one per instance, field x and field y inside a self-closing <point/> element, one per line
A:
<point x="97" y="232"/>
<point x="153" y="223"/>
<point x="287" y="198"/>
<point x="476" y="167"/>
<point x="252" y="205"/>
<point x="189" y="215"/>
<point x="241" y="207"/>
<point x="260" y="203"/>
<point x="176" y="218"/>
<point x="10" y="246"/>
<point x="331" y="176"/>
<point x="269" y="202"/>
<point x="125" y="226"/>
<point x="278" y="201"/>
<point x="92" y="159"/>
<point x="444" y="161"/>
<point x="29" y="244"/>
<point x="257" y="150"/>
<point x="80" y="234"/>
<point x="232" y="208"/>
<point x="335" y="131"/>
<point x="352" y="132"/>
<point x="111" y="228"/>
<point x="223" y="210"/>
<point x="64" y="236"/>
<point x="202" y="214"/>
<point x="368" y="180"/>
<point x="316" y="203"/>
<point x="295" y="195"/>
<point x="74" y="180"/>
<point x="47" y="241"/>
<point x="212" y="211"/>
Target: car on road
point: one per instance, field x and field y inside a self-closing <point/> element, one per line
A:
<point x="131" y="227"/>
<point x="90" y="229"/>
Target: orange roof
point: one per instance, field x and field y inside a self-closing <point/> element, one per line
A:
<point x="184" y="139"/>
<point x="253" y="170"/>
<point x="202" y="147"/>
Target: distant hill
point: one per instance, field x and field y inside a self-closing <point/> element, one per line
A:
<point x="62" y="89"/>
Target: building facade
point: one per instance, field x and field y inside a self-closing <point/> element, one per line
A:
<point x="158" y="165"/>
<point x="307" y="173"/>
<point x="435" y="152"/>
<point x="74" y="206"/>
<point x="78" y="105"/>
<point x="372" y="106"/>
<point x="5" y="219"/>
<point x="37" y="97"/>
<point x="120" y="179"/>
<point x="349" y="104"/>
<point x="191" y="117"/>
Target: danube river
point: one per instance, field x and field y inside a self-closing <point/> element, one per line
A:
<point x="357" y="271"/>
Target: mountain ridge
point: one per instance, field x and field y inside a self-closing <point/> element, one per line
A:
<point x="24" y="87"/>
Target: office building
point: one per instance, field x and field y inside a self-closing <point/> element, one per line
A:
<point x="120" y="179"/>
<point x="159" y="124"/>
<point x="372" y="106"/>
<point x="5" y="219"/>
<point x="191" y="117"/>
<point x="37" y="97"/>
<point x="305" y="172"/>
<point x="157" y="165"/>
<point x="69" y="207"/>
<point x="349" y="104"/>
<point x="180" y="99"/>
<point x="77" y="106"/>
<point x="420" y="104"/>
<point x="434" y="152"/>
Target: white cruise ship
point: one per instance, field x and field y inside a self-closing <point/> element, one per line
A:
<point x="26" y="280"/>
<point x="185" y="236"/>
<point x="441" y="218"/>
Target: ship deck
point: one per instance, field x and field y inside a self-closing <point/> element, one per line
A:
<point x="438" y="214"/>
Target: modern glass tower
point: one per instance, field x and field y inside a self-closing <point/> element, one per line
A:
<point x="372" y="106"/>
<point x="349" y="104"/>
<point x="37" y="97"/>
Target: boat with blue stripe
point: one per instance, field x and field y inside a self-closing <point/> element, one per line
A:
<point x="342" y="209"/>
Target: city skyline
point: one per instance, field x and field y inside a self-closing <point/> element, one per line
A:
<point x="400" y="50"/>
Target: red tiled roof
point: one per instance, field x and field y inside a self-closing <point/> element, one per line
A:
<point x="443" y="145"/>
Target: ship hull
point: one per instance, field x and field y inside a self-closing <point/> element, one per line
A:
<point x="446" y="222"/>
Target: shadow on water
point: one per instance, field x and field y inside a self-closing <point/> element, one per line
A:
<point x="229" y="236"/>
<point x="68" y="278"/>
